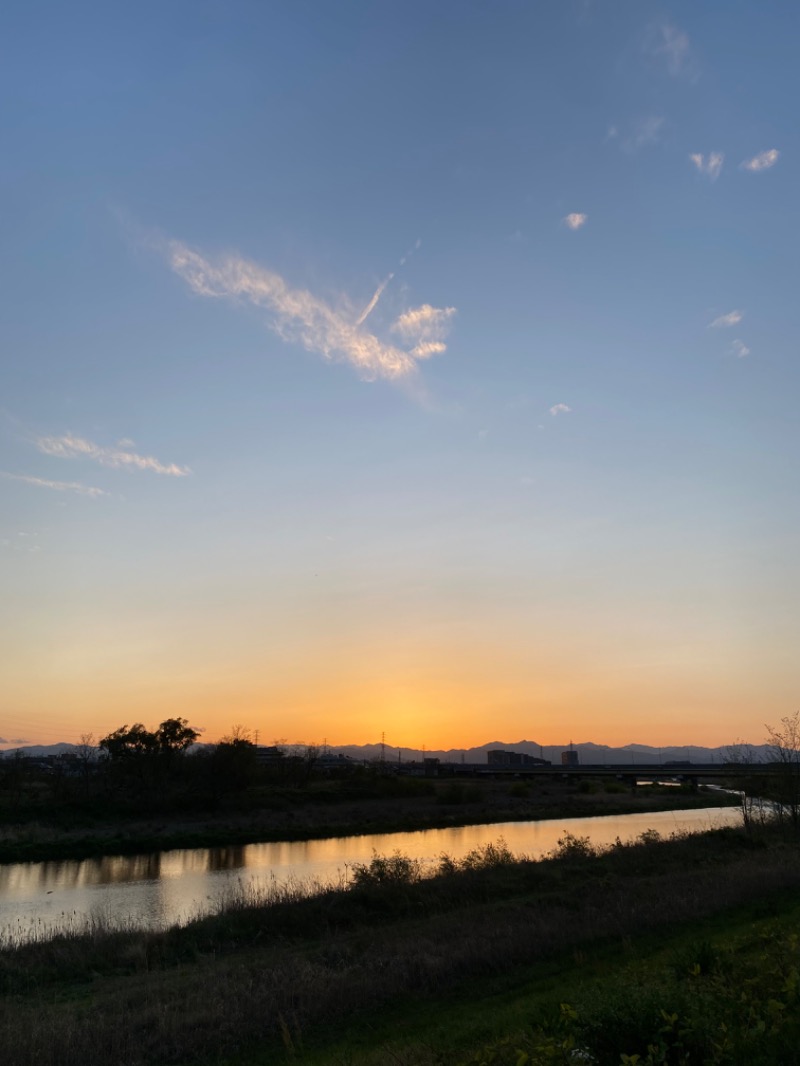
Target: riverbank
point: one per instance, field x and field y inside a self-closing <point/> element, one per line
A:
<point x="317" y="814"/>
<point x="360" y="974"/>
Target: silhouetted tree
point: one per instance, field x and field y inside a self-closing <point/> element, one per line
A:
<point x="784" y="749"/>
<point x="174" y="736"/>
<point x="129" y="743"/>
<point x="16" y="770"/>
<point x="171" y="738"/>
<point x="233" y="763"/>
<point x="86" y="753"/>
<point x="752" y="788"/>
<point x="135" y="754"/>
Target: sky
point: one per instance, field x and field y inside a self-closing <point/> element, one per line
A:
<point x="404" y="368"/>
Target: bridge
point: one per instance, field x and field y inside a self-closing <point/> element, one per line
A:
<point x="687" y="772"/>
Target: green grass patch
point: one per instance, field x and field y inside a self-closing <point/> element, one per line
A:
<point x="723" y="990"/>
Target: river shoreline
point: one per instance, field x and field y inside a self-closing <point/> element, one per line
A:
<point x="42" y="842"/>
<point x="268" y="980"/>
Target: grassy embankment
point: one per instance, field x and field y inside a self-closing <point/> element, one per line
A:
<point x="470" y="965"/>
<point x="52" y="831"/>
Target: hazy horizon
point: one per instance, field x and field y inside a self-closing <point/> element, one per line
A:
<point x="392" y="750"/>
<point x="400" y="368"/>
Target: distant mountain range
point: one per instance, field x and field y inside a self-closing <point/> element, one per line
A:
<point x="588" y="753"/>
<point x="39" y="750"/>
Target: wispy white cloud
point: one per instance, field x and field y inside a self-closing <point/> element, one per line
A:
<point x="70" y="447"/>
<point x="25" y="542"/>
<point x="762" y="161"/>
<point x="425" y="349"/>
<point x="421" y="319"/>
<point x="673" y="44"/>
<point x="575" y="220"/>
<point x="297" y="315"/>
<point x="710" y="165"/>
<point x="733" y="318"/>
<point x="740" y="349"/>
<point x="415" y="248"/>
<point x="645" y="132"/>
<point x="425" y="327"/>
<point x="57" y="486"/>
<point x="560" y="409"/>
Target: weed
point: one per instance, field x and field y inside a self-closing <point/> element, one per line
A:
<point x="396" y="869"/>
<point x="570" y="846"/>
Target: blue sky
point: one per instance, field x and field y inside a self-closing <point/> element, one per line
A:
<point x="418" y="368"/>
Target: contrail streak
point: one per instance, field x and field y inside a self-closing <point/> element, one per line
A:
<point x="371" y="305"/>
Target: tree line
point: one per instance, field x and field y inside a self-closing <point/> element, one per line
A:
<point x="135" y="769"/>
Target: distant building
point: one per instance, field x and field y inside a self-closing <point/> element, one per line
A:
<point x="498" y="757"/>
<point x="269" y="754"/>
<point x="569" y="758"/>
<point x="330" y="761"/>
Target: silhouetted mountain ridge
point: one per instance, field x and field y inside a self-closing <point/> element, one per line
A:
<point x="588" y="752"/>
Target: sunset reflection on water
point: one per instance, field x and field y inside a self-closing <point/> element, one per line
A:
<point x="169" y="887"/>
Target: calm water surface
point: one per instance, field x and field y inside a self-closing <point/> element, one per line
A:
<point x="169" y="887"/>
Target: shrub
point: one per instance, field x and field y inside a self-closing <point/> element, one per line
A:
<point x="396" y="869"/>
<point x="649" y="836"/>
<point x="573" y="847"/>
<point x="489" y="857"/>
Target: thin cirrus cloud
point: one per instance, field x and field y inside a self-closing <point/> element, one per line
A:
<point x="710" y="165"/>
<point x="426" y="328"/>
<point x="645" y="132"/>
<point x="762" y="161"/>
<point x="640" y="134"/>
<point x="298" y="316"/>
<point x="575" y="220"/>
<point x="740" y="349"/>
<point x="560" y="409"/>
<point x="56" y="486"/>
<point x="71" y="447"/>
<point x="733" y="318"/>
<point x="673" y="45"/>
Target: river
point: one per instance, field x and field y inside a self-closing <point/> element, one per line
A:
<point x="156" y="890"/>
